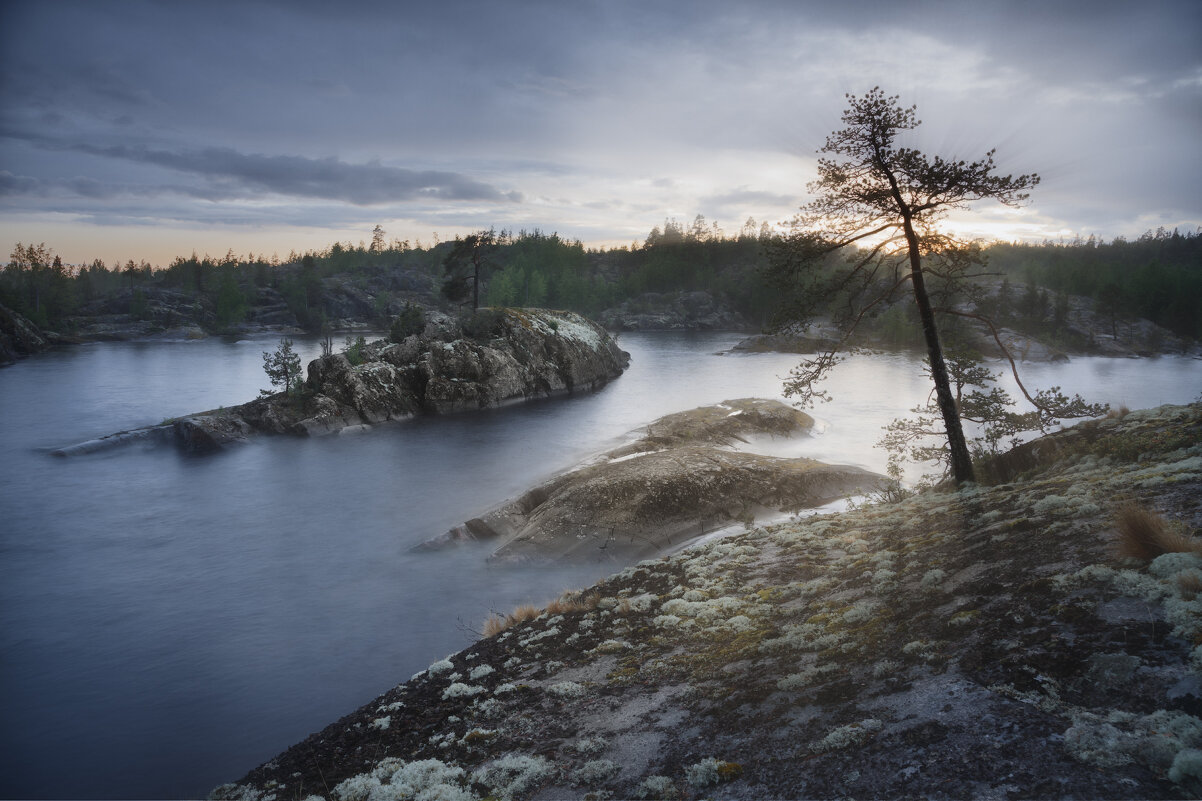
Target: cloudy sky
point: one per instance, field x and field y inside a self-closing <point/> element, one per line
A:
<point x="153" y="129"/>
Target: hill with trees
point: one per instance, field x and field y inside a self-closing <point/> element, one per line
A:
<point x="366" y="286"/>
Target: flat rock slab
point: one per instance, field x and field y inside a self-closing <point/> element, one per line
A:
<point x="676" y="483"/>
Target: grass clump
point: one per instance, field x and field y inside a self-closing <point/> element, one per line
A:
<point x="564" y="604"/>
<point x="1145" y="535"/>
<point x="499" y="623"/>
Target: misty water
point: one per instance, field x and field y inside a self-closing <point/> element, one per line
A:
<point x="168" y="622"/>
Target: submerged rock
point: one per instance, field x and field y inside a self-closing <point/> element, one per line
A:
<point x="676" y="483"/>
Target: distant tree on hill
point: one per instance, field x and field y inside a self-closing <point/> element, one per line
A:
<point x="468" y="258"/>
<point x="377" y="239"/>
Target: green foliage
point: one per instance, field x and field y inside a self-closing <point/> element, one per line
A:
<point x="466" y="266"/>
<point x="283" y="367"/>
<point x="1140" y="444"/>
<point x="1158" y="276"/>
<point x="231" y="302"/>
<point x="995" y="425"/>
<point x="304" y="294"/>
<point x="880" y="203"/>
<point x="484" y="325"/>
<point x="38" y="285"/>
<point x="139" y="308"/>
<point x="411" y="321"/>
<point x="355" y="350"/>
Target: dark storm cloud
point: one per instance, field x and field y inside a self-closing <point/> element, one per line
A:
<point x="435" y="111"/>
<point x="328" y="178"/>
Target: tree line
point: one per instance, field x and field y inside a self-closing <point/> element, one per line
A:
<point x="1157" y="276"/>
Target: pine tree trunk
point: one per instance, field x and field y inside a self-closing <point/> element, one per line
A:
<point x="961" y="462"/>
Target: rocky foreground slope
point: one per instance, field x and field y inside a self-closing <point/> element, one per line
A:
<point x="987" y="642"/>
<point x="681" y="479"/>
<point x="527" y="353"/>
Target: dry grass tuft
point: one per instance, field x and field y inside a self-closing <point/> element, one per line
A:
<point x="1145" y="535"/>
<point x="494" y="625"/>
<point x="573" y="602"/>
<point x="564" y="604"/>
<point x="1190" y="585"/>
<point x="1119" y="413"/>
<point x="522" y="613"/>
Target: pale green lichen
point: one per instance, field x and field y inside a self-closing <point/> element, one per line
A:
<point x="566" y="689"/>
<point x="590" y="745"/>
<point x="710" y="771"/>
<point x="394" y="779"/>
<point x="612" y="646"/>
<point x="441" y="666"/>
<point x="1186" y="771"/>
<point x="885" y="667"/>
<point x="861" y="611"/>
<point x="460" y="690"/>
<point x="513" y="774"/>
<point x="659" y="788"/>
<point x="596" y="771"/>
<point x="1152" y="740"/>
<point x="847" y="736"/>
<point x="805" y="678"/>
<point x="1168" y="565"/>
<point x="933" y="579"/>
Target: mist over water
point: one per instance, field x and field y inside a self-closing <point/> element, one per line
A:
<point x="169" y="622"/>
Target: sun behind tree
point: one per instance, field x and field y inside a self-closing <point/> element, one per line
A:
<point x="880" y="204"/>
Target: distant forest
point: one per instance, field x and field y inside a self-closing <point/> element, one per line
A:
<point x="1158" y="276"/>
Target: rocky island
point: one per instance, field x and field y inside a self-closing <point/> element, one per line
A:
<point x="1037" y="638"/>
<point x="510" y="355"/>
<point x="682" y="478"/>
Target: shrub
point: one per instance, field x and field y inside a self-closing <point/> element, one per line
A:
<point x="355" y="350"/>
<point x="411" y="320"/>
<point x="485" y="324"/>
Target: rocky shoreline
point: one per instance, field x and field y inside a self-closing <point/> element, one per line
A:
<point x="985" y="642"/>
<point x="682" y="478"/>
<point x="1080" y="329"/>
<point x="520" y="354"/>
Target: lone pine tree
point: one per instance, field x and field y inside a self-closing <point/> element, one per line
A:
<point x="872" y="229"/>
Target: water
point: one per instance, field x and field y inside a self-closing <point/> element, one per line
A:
<point x="169" y="622"/>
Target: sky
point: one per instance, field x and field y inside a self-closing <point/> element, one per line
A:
<point x="150" y="130"/>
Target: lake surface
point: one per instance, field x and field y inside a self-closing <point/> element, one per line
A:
<point x="169" y="622"/>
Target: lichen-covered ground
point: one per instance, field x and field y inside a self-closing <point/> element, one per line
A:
<point x="986" y="642"/>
